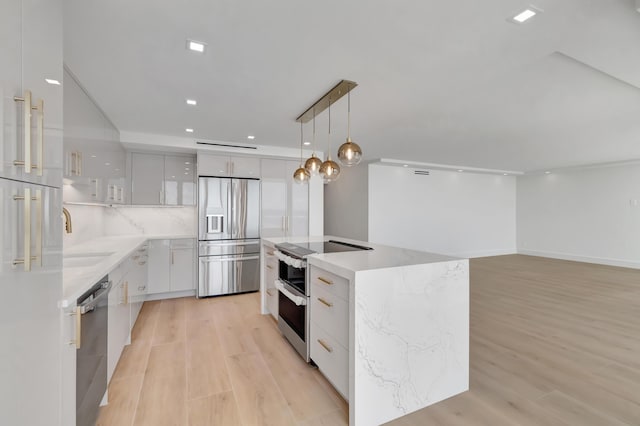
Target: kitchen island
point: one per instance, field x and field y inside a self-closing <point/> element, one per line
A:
<point x="401" y="342"/>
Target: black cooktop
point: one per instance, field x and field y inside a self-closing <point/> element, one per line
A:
<point x="302" y="250"/>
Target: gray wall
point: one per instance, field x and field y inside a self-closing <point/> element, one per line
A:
<point x="346" y="204"/>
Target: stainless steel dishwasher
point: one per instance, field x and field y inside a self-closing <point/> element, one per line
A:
<point x="91" y="355"/>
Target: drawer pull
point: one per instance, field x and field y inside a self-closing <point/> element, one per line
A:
<point x="326" y="281"/>
<point x="270" y="253"/>
<point x="269" y="292"/>
<point x="325" y="346"/>
<point x="269" y="267"/>
<point x="324" y="302"/>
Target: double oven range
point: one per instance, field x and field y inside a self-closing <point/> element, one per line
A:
<point x="294" y="288"/>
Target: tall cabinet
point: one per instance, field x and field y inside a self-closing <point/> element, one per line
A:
<point x="30" y="208"/>
<point x="285" y="204"/>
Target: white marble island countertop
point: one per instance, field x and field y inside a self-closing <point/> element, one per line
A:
<point x="348" y="263"/>
<point x="107" y="252"/>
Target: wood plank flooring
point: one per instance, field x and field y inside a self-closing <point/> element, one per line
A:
<point x="552" y="343"/>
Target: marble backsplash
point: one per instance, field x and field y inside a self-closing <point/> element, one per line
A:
<point x="128" y="220"/>
<point x="87" y="223"/>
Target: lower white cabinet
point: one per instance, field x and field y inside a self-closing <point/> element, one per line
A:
<point x="119" y="322"/>
<point x="137" y="281"/>
<point x="329" y="333"/>
<point x="270" y="273"/>
<point x="172" y="265"/>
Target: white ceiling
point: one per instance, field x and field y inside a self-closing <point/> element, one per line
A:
<point x="439" y="81"/>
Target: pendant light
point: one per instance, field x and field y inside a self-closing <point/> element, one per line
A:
<point x="349" y="153"/>
<point x="313" y="163"/>
<point x="301" y="175"/>
<point x="329" y="170"/>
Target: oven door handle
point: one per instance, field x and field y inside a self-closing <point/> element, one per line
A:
<point x="298" y="300"/>
<point x="296" y="263"/>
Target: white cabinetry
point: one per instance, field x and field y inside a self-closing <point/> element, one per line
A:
<point x="31" y="229"/>
<point x="285" y="204"/>
<point x="217" y="165"/>
<point x="329" y="331"/>
<point x="172" y="266"/>
<point x="138" y="281"/>
<point x="119" y="325"/>
<point x="269" y="274"/>
<point x="31" y="109"/>
<point x="94" y="158"/>
<point x="158" y="179"/>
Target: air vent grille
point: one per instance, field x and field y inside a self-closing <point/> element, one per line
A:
<point x="226" y="145"/>
<point x="421" y="172"/>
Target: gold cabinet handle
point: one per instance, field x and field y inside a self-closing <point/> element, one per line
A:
<point x="325" y="280"/>
<point x="269" y="267"/>
<point x="78" y="340"/>
<point x="39" y="218"/>
<point x="325" y="303"/>
<point x="126" y="293"/>
<point x="27" y="132"/>
<point x="40" y="138"/>
<point x="325" y="346"/>
<point x="26" y="259"/>
<point x="172" y="257"/>
<point x="79" y="166"/>
<point x="269" y="292"/>
<point x="270" y="253"/>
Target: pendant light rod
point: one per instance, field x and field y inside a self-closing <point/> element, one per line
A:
<point x="338" y="91"/>
<point x="301" y="139"/>
<point x="349" y="115"/>
<point x="314" y="132"/>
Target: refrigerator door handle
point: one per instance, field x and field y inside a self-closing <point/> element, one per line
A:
<point x="215" y="224"/>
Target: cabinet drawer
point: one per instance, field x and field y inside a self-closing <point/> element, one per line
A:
<point x="331" y="313"/>
<point x="333" y="283"/>
<point x="332" y="359"/>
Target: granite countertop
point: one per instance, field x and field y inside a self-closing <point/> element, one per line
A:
<point x="76" y="280"/>
<point x="348" y="263"/>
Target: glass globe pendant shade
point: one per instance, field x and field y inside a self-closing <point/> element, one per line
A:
<point x="301" y="175"/>
<point x="349" y="153"/>
<point x="329" y="170"/>
<point x="312" y="165"/>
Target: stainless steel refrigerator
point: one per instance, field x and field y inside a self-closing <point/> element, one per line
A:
<point x="229" y="236"/>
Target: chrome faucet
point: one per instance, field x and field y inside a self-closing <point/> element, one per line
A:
<point x="67" y="220"/>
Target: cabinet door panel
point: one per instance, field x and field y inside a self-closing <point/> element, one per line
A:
<point x="245" y="167"/>
<point x="147" y="172"/>
<point x="159" y="271"/>
<point x="182" y="269"/>
<point x="30" y="322"/>
<point x="213" y="165"/>
<point x="298" y="205"/>
<point x="179" y="180"/>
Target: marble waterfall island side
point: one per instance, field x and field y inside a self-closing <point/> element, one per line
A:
<point x="410" y="345"/>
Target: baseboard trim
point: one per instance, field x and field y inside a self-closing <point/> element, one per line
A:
<point x="586" y="259"/>
<point x="171" y="295"/>
<point x="484" y="253"/>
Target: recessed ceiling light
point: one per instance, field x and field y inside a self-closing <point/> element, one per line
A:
<point x="186" y="173"/>
<point x="188" y="130"/>
<point x="547" y="172"/>
<point x="251" y="137"/>
<point x="93" y="156"/>
<point x="117" y="170"/>
<point x="186" y="168"/>
<point x="107" y="164"/>
<point x="525" y="15"/>
<point x="52" y="81"/>
<point x="460" y="170"/>
<point x="307" y="143"/>
<point x="506" y="174"/>
<point x="192" y="102"/>
<point x="196" y="46"/>
<point x="187" y="162"/>
<point x="173" y="177"/>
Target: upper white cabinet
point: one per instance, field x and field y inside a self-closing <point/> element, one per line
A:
<point x="94" y="158"/>
<point x="285" y="204"/>
<point x="217" y="165"/>
<point x="158" y="179"/>
<point x="31" y="109"/>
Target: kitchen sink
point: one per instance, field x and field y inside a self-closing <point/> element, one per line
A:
<point x="81" y="260"/>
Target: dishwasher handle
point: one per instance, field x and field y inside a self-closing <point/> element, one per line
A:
<point x="91" y="303"/>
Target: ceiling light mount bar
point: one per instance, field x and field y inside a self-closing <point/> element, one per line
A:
<point x="338" y="91"/>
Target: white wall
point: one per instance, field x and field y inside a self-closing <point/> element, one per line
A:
<point x="584" y="215"/>
<point x="461" y="214"/>
<point x="346" y="214"/>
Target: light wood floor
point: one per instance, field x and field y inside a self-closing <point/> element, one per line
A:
<point x="552" y="343"/>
